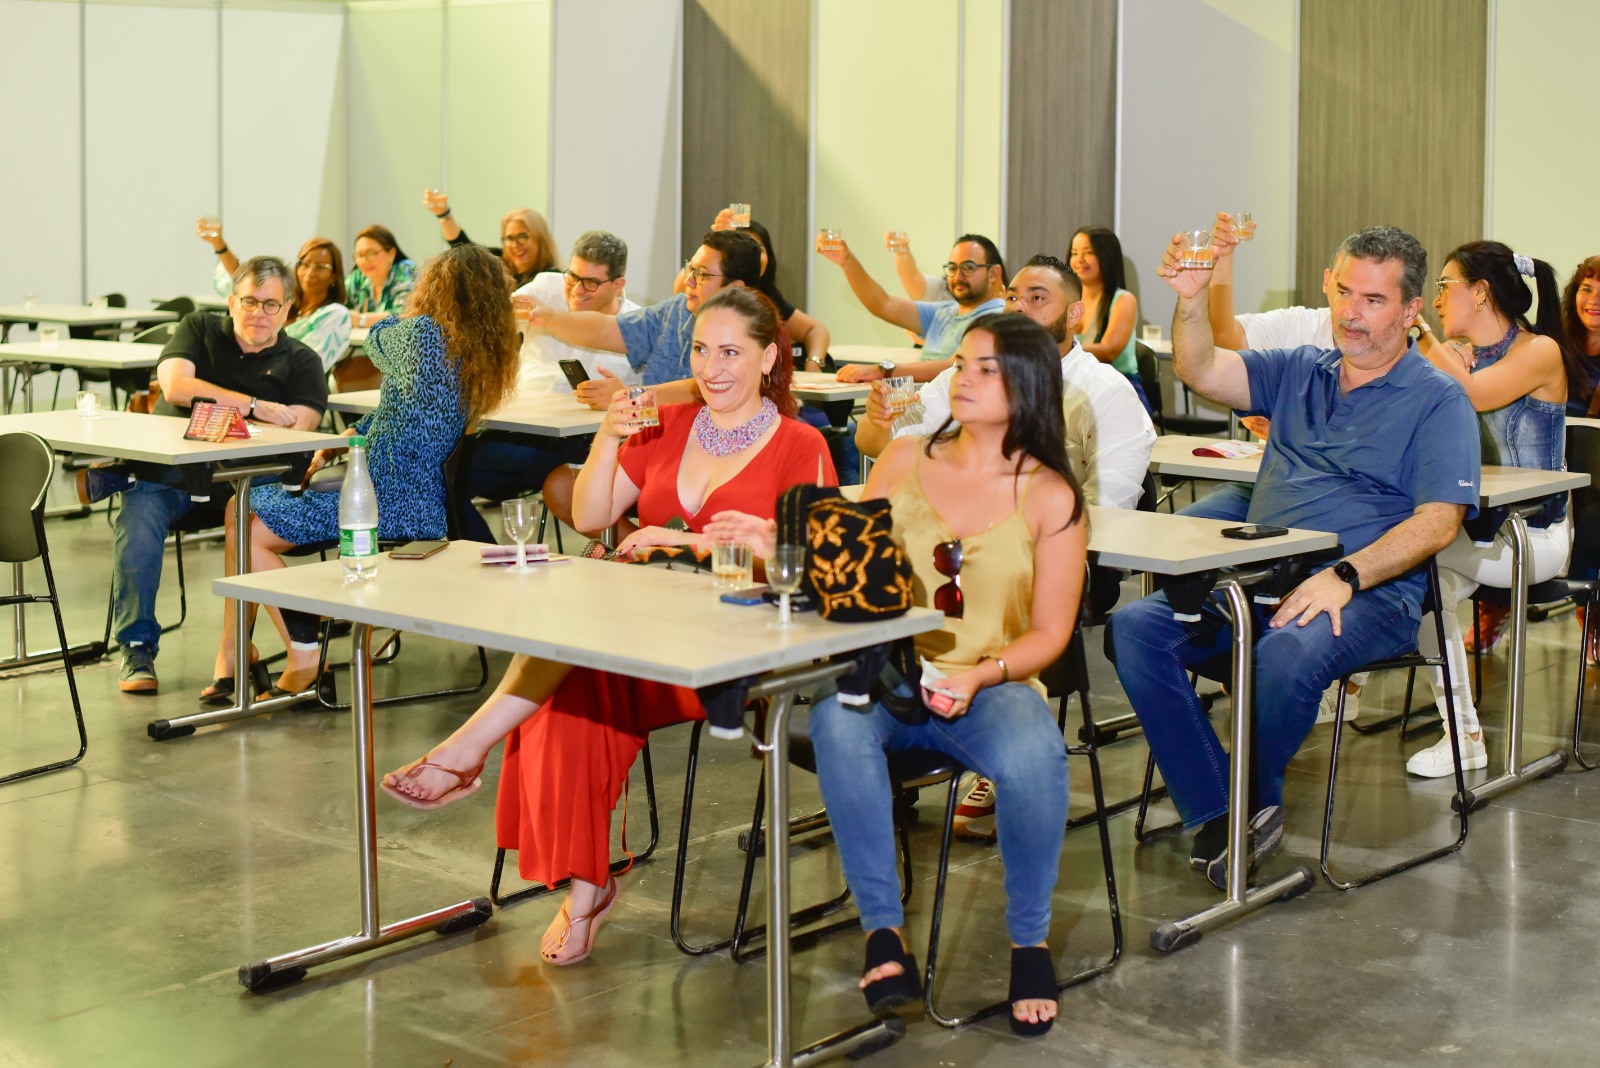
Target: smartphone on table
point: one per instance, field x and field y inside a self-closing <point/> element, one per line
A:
<point x="418" y="550"/>
<point x="1252" y="531"/>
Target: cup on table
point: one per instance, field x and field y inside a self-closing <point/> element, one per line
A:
<point x="741" y="215"/>
<point x="30" y="302"/>
<point x="649" y="414"/>
<point x="829" y="240"/>
<point x="732" y="565"/>
<point x="1152" y="333"/>
<point x="786" y="567"/>
<point x="1244" y="224"/>
<point x="99" y="304"/>
<point x="520" y="516"/>
<point x="897" y="241"/>
<point x="49" y="335"/>
<point x="1196" y="251"/>
<point x="88" y="404"/>
<point x="522" y="307"/>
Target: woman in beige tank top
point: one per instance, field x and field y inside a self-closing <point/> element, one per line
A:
<point x="991" y="521"/>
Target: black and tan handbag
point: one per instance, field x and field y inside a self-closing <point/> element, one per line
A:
<point x="855" y="571"/>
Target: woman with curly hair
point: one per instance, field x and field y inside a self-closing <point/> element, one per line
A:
<point x="1580" y="316"/>
<point x="449" y="360"/>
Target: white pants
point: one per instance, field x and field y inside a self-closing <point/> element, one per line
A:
<point x="1463" y="567"/>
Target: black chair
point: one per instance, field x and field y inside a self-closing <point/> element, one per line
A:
<point x="29" y="464"/>
<point x="1410" y="662"/>
<point x="1178" y="422"/>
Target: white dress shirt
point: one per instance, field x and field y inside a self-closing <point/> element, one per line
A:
<point x="1109" y="434"/>
<point x="1288" y="328"/>
<point x="542" y="354"/>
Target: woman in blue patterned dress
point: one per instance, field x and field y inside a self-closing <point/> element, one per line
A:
<point x="450" y="359"/>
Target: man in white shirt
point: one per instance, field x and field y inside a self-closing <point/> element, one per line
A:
<point x="1108" y="439"/>
<point x="505" y="465"/>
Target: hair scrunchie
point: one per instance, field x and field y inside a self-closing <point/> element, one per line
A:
<point x="1523" y="263"/>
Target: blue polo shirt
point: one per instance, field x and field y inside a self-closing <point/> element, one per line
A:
<point x="657" y="339"/>
<point x="1358" y="464"/>
<point x="944" y="324"/>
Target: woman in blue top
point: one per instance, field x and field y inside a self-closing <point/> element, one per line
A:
<point x="1513" y="372"/>
<point x="1109" y="310"/>
<point x="449" y="360"/>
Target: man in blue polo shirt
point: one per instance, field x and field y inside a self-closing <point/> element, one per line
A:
<point x="1369" y="442"/>
<point x="976" y="276"/>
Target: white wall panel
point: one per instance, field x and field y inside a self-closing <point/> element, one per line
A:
<point x="39" y="243"/>
<point x="1216" y="134"/>
<point x="616" y="138"/>
<point x="983" y="126"/>
<point x="283" y="131"/>
<point x="152" y="146"/>
<point x="499" y="111"/>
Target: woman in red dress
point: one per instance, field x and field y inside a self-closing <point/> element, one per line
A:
<point x="720" y="466"/>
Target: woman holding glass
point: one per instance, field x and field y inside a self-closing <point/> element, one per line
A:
<point x="382" y="279"/>
<point x="720" y="467"/>
<point x="451" y="359"/>
<point x="990" y="502"/>
<point x="318" y="317"/>
<point x="526" y="245"/>
<point x="1109" y="310"/>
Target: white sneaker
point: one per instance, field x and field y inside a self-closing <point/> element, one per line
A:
<point x="1434" y="762"/>
<point x="1330" y="697"/>
<point x="975" y="815"/>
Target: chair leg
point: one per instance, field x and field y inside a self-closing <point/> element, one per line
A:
<point x="678" y="940"/>
<point x="1584" y="634"/>
<point x="1145" y="797"/>
<point x="66" y="663"/>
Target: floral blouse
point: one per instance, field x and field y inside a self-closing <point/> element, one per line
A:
<point x="396" y="288"/>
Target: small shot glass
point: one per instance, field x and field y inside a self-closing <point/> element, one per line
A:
<point x="741" y="215"/>
<point x="49" y="335"/>
<point x="649" y="415"/>
<point x="88" y="404"/>
<point x="829" y="240"/>
<point x="1196" y="251"/>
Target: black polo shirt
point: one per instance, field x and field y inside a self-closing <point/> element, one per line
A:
<point x="285" y="372"/>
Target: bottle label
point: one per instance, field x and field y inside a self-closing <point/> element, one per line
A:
<point x="358" y="541"/>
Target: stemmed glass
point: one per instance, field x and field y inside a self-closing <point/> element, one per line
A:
<point x="520" y="518"/>
<point x="785" y="569"/>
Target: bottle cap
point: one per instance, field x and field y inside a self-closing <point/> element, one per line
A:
<point x="358" y="441"/>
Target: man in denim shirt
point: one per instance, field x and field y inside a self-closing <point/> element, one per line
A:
<point x="1369" y="442"/>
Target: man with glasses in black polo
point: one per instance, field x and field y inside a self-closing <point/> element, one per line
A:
<point x="976" y="276"/>
<point x="242" y="359"/>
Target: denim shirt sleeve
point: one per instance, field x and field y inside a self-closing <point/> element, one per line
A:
<point x="641" y="329"/>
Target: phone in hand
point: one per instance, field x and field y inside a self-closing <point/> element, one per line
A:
<point x="574" y="370"/>
<point x="1252" y="531"/>
<point x="418" y="550"/>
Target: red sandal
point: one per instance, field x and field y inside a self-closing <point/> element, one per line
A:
<point x="468" y="784"/>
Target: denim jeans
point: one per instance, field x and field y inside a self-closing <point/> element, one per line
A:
<point x="1293" y="665"/>
<point x="138" y="546"/>
<point x="503" y="467"/>
<point x="1008" y="736"/>
<point x="1231" y="501"/>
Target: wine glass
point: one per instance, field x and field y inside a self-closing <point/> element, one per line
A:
<point x="786" y="567"/>
<point x="520" y="517"/>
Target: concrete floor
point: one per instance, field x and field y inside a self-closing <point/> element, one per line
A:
<point x="133" y="886"/>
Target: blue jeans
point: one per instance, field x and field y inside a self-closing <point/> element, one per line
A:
<point x="1293" y="665"/>
<point x="1231" y="500"/>
<point x="1008" y="736"/>
<point x="1138" y="389"/>
<point x="503" y="468"/>
<point x="137" y="550"/>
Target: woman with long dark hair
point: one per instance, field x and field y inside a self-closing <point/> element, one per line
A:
<point x="382" y="279"/>
<point x="992" y="521"/>
<point x="1580" y="318"/>
<point x="1515" y="373"/>
<point x="1109" y="310"/>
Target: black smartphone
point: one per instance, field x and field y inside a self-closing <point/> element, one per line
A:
<point x="748" y="595"/>
<point x="1252" y="531"/>
<point x="574" y="371"/>
<point x="417" y="550"/>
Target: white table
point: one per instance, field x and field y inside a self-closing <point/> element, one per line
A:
<point x="819" y="387"/>
<point x="674" y="630"/>
<point x="358" y="337"/>
<point x="554" y="415"/>
<point x="76" y="315"/>
<point x="874" y="353"/>
<point x="28" y="356"/>
<point x="1516" y="489"/>
<point x="159" y="439"/>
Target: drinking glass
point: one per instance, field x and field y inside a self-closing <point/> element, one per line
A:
<point x="829" y="240"/>
<point x="741" y="215"/>
<point x="786" y="567"/>
<point x="901" y="396"/>
<point x="648" y="414"/>
<point x="522" y="307"/>
<point x="1244" y="225"/>
<point x="732" y="565"/>
<point x="520" y="517"/>
<point x="1152" y="333"/>
<point x="49" y="335"/>
<point x="897" y="241"/>
<point x="1196" y="250"/>
<point x="210" y="227"/>
<point x="30" y="302"/>
<point x="88" y="404"/>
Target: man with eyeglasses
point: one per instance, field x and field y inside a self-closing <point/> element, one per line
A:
<point x="243" y="360"/>
<point x="504" y="465"/>
<point x="976" y="276"/>
<point x="656" y="339"/>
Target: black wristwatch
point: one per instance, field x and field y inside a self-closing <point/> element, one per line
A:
<point x="252" y="411"/>
<point x="887" y="367"/>
<point x="1346" y="570"/>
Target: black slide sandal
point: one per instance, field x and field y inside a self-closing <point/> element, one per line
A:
<point x="884" y="947"/>
<point x="1033" y="978"/>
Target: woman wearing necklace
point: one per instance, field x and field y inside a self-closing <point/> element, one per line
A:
<point x="720" y="467"/>
<point x="989" y="516"/>
<point x="1514" y="373"/>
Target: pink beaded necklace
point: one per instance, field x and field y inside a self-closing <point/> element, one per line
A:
<point x="719" y="442"/>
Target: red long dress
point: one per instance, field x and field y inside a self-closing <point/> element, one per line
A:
<point x="565" y="767"/>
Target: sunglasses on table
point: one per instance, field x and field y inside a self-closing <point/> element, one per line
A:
<point x="947" y="561"/>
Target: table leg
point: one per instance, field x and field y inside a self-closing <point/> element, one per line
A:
<point x="1516" y="772"/>
<point x="463" y="915"/>
<point x="1240" y="898"/>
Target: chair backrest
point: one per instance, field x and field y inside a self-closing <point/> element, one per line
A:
<point x="28" y="464"/>
<point x="1149" y="375"/>
<point x="159" y="334"/>
<point x="181" y="305"/>
<point x="115" y="300"/>
<point x="1583" y="454"/>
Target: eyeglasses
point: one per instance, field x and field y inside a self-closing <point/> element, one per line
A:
<point x="697" y="275"/>
<point x="966" y="267"/>
<point x="1443" y="282"/>
<point x="271" y="307"/>
<point x="317" y="268"/>
<point x="588" y="285"/>
<point x="516" y="239"/>
<point x="947" y="561"/>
